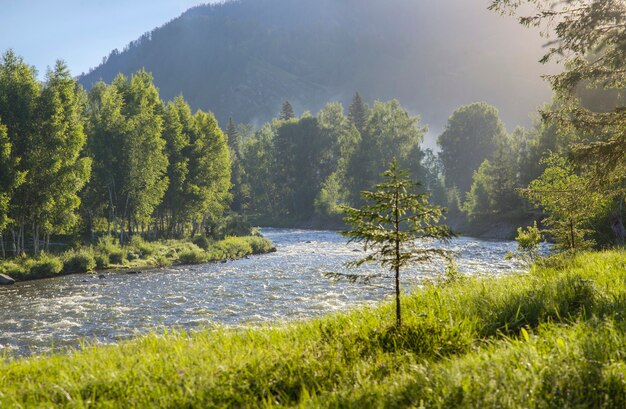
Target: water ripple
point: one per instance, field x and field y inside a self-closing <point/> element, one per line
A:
<point x="288" y="284"/>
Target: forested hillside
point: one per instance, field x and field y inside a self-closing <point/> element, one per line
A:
<point x="243" y="58"/>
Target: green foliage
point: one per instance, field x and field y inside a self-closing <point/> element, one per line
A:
<point x="358" y="112"/>
<point x="193" y="256"/>
<point x="565" y="196"/>
<point x="79" y="261"/>
<point x="390" y="132"/>
<point x="286" y="112"/>
<point x="470" y="137"/>
<point x="588" y="37"/>
<point x="102" y="261"/>
<point x="43" y="266"/>
<point x="528" y="241"/>
<point x="393" y="219"/>
<point x="234" y="247"/>
<point x="259" y="245"/>
<point x="203" y="242"/>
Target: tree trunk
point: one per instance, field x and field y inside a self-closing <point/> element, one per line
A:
<point x="4" y="254"/>
<point x="617" y="224"/>
<point x="36" y="239"/>
<point x="23" y="248"/>
<point x="397" y="266"/>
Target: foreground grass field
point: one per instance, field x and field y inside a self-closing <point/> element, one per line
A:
<point x="553" y="338"/>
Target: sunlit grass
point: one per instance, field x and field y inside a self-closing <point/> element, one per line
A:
<point x="555" y="337"/>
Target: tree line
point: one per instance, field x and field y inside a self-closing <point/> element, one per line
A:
<point x="114" y="160"/>
<point x="300" y="170"/>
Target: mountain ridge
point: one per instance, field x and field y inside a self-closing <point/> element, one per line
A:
<point x="244" y="58"/>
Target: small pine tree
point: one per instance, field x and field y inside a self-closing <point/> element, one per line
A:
<point x="392" y="220"/>
<point x="286" y="112"/>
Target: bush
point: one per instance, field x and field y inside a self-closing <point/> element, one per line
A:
<point x="203" y="242"/>
<point x="144" y="248"/>
<point x="44" y="266"/>
<point x="260" y="245"/>
<point x="108" y="246"/>
<point x="102" y="261"/>
<point x="78" y="261"/>
<point x="117" y="256"/>
<point x="197" y="256"/>
<point x="13" y="270"/>
<point x="235" y="247"/>
<point x="161" y="261"/>
<point x="131" y="255"/>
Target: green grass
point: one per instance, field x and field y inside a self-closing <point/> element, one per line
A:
<point x="137" y="254"/>
<point x="555" y="337"/>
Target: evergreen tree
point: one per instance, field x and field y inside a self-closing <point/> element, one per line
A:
<point x="358" y="112"/>
<point x="392" y="220"/>
<point x="286" y="112"/>
<point x="232" y="134"/>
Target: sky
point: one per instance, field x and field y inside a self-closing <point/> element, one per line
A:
<point x="80" y="32"/>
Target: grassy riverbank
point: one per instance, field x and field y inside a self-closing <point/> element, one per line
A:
<point x="107" y="254"/>
<point x="555" y="337"/>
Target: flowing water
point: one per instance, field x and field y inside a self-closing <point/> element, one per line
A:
<point x="292" y="283"/>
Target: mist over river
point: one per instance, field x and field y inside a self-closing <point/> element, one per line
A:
<point x="291" y="284"/>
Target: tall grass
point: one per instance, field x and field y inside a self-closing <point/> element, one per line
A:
<point x="555" y="337"/>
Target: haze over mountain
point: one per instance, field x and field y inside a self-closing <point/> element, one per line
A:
<point x="244" y="58"/>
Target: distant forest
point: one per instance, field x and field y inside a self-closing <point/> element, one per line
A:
<point x="242" y="59"/>
<point x="117" y="160"/>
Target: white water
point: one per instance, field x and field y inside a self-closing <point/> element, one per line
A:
<point x="57" y="313"/>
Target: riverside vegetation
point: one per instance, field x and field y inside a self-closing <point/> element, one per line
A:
<point x="108" y="254"/>
<point x="551" y="338"/>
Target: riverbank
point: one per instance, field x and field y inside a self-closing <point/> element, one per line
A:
<point x="551" y="338"/>
<point x="497" y="227"/>
<point x="107" y="255"/>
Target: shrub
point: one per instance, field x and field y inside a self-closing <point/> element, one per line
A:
<point x="102" y="261"/>
<point x="13" y="269"/>
<point x="144" y="248"/>
<point x="108" y="246"/>
<point x="234" y="247"/>
<point x="117" y="256"/>
<point x="260" y="245"/>
<point x="44" y="266"/>
<point x="161" y="261"/>
<point x="131" y="255"/>
<point x="78" y="261"/>
<point x="197" y="256"/>
<point x="203" y="242"/>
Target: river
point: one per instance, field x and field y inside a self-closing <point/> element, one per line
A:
<point x="58" y="313"/>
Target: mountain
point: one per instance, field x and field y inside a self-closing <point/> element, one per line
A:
<point x="244" y="58"/>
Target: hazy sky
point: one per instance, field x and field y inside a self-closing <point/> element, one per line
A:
<point x="80" y="32"/>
